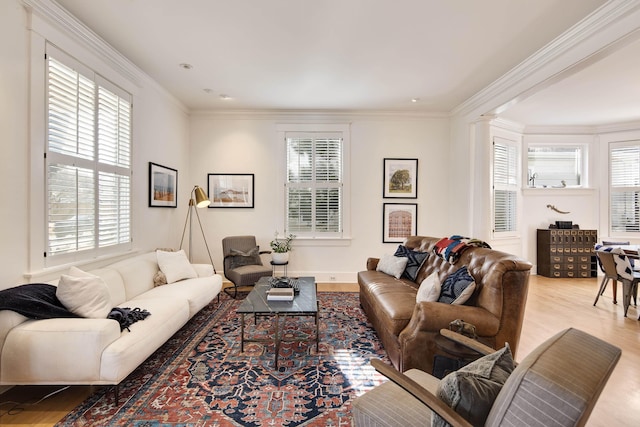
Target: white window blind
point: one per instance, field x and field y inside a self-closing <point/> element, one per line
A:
<point x="505" y="186"/>
<point x="87" y="159"/>
<point x="314" y="184"/>
<point x="624" y="170"/>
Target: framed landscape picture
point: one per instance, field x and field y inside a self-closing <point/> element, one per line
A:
<point x="163" y="185"/>
<point x="400" y="179"/>
<point x="231" y="190"/>
<point x="400" y="220"/>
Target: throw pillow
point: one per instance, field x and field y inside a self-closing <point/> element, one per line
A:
<point x="429" y="290"/>
<point x="175" y="266"/>
<point x="458" y="287"/>
<point x="472" y="389"/>
<point x="159" y="279"/>
<point x="392" y="265"/>
<point x="415" y="259"/>
<point x="84" y="294"/>
<point x="240" y="258"/>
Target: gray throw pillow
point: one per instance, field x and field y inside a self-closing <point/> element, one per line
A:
<point x="240" y="258"/>
<point x="392" y="265"/>
<point x="472" y="389"/>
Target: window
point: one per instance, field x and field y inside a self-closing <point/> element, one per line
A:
<point x="314" y="184"/>
<point x="505" y="186"/>
<point x="624" y="181"/>
<point x="88" y="150"/>
<point x="558" y="166"/>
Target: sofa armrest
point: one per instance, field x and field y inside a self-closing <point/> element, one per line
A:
<point x="433" y="316"/>
<point x="203" y="270"/>
<point x="470" y="343"/>
<point x="372" y="263"/>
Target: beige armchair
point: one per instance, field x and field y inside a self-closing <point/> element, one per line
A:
<point x="557" y="384"/>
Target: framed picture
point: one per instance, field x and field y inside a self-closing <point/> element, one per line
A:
<point x="400" y="179"/>
<point x="231" y="190"/>
<point x="163" y="186"/>
<point x="400" y="220"/>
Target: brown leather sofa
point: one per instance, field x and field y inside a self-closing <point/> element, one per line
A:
<point x="408" y="329"/>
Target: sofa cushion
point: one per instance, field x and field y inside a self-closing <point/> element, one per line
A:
<point x="137" y="273"/>
<point x="458" y="287"/>
<point x="84" y="294"/>
<point x="472" y="389"/>
<point x="429" y="290"/>
<point x="415" y="259"/>
<point x="126" y="353"/>
<point x="389" y="404"/>
<point x="114" y="282"/>
<point x="392" y="265"/>
<point x="198" y="292"/>
<point x="175" y="266"/>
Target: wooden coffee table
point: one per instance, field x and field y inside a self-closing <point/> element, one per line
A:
<point x="304" y="304"/>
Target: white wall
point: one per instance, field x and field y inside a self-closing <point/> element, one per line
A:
<point x="161" y="135"/>
<point x="14" y="173"/>
<point x="247" y="143"/>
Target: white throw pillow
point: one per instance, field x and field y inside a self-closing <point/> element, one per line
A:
<point x="175" y="266"/>
<point x="429" y="290"/>
<point x="84" y="294"/>
<point x="392" y="265"/>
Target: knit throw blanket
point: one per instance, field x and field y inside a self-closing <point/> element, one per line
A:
<point x="450" y="248"/>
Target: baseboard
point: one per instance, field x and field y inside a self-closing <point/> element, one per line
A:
<point x="321" y="276"/>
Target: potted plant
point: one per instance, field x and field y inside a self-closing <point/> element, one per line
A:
<point x="280" y="248"/>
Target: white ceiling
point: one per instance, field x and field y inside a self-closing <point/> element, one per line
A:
<point x="358" y="54"/>
<point x="604" y="92"/>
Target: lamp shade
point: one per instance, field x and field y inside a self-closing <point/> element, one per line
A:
<point x="202" y="200"/>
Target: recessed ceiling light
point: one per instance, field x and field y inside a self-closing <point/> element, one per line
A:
<point x="414" y="100"/>
<point x="224" y="97"/>
<point x="185" y="66"/>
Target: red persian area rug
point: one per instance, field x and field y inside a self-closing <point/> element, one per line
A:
<point x="200" y="377"/>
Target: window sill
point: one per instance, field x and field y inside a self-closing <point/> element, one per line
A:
<point x="54" y="272"/>
<point x="565" y="191"/>
<point x="321" y="241"/>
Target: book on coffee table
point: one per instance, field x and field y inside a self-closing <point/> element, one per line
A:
<point x="280" y="294"/>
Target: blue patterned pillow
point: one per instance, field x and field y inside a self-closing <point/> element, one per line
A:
<point x="458" y="287"/>
<point x="415" y="260"/>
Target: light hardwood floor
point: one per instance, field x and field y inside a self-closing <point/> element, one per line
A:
<point x="552" y="305"/>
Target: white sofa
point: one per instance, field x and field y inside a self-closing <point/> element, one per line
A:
<point x="95" y="351"/>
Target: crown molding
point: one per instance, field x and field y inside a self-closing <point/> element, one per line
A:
<point x="589" y="27"/>
<point x="57" y="16"/>
<point x="581" y="130"/>
<point x="319" y="115"/>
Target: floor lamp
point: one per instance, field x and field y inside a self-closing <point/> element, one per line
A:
<point x="201" y="201"/>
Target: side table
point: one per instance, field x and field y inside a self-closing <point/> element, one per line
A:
<point x="276" y="265"/>
<point x="456" y="356"/>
